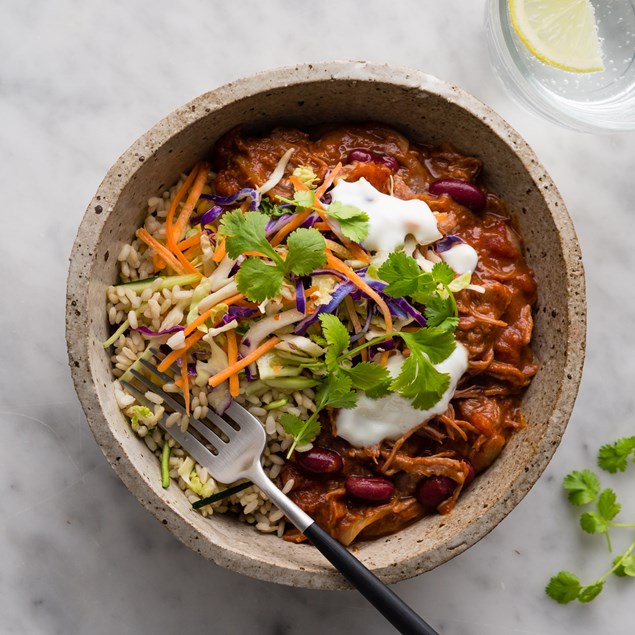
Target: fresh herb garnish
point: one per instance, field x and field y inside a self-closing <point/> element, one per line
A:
<point x="260" y="280"/>
<point x="584" y="488"/>
<point x="268" y="207"/>
<point x="614" y="458"/>
<point x="418" y="380"/>
<point x="352" y="221"/>
<point x="430" y="288"/>
<point x="302" y="431"/>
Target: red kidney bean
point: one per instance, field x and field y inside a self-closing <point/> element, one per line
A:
<point x="363" y="156"/>
<point x="369" y="488"/>
<point x="471" y="475"/>
<point x="319" y="461"/>
<point x="432" y="491"/>
<point x="464" y="193"/>
<point x="366" y="156"/>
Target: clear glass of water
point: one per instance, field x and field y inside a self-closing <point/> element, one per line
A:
<point x="592" y="102"/>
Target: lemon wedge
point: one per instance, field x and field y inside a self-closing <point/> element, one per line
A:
<point x="560" y="33"/>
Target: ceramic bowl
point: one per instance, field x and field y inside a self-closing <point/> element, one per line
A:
<point x="427" y="110"/>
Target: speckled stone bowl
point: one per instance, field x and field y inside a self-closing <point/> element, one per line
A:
<point x="428" y="110"/>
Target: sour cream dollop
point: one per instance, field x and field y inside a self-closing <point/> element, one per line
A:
<point x="462" y="258"/>
<point x="390" y="219"/>
<point x="374" y="420"/>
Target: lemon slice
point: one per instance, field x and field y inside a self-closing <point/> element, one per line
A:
<point x="560" y="33"/>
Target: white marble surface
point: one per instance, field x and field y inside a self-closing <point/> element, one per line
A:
<point x="79" y="81"/>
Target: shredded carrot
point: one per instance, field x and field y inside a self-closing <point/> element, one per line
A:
<point x="225" y="374"/>
<point x="192" y="252"/>
<point x="192" y="199"/>
<point x="258" y="254"/>
<point x="169" y="219"/>
<point x="174" y="355"/>
<point x="328" y="181"/>
<point x="294" y="223"/>
<point x="186" y="264"/>
<point x="338" y="265"/>
<point x="311" y="290"/>
<point x="232" y="356"/>
<point x="220" y="252"/>
<point x="298" y="184"/>
<point x="357" y="251"/>
<point x="185" y="383"/>
<point x="172" y="231"/>
<point x="322" y="226"/>
<point x="161" y="250"/>
<point x="158" y="263"/>
<point x="192" y="241"/>
<point x="204" y="316"/>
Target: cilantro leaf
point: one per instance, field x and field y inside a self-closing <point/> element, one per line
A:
<point x="590" y="592"/>
<point x="337" y="339"/>
<point x="353" y="221"/>
<point x="304" y="198"/>
<point x="336" y="392"/>
<point x="401" y="272"/>
<point x="435" y="343"/>
<point x="368" y="376"/>
<point x="626" y="566"/>
<point x="420" y="382"/>
<point x="301" y="431"/>
<point x="307" y="251"/>
<point x="379" y="391"/>
<point x="442" y="273"/>
<point x="440" y="309"/>
<point x="593" y="523"/>
<point x="272" y="209"/>
<point x="564" y="587"/>
<point x="614" y="457"/>
<point x="607" y="504"/>
<point x="582" y="487"/>
<point x="258" y="280"/>
<point x="246" y="232"/>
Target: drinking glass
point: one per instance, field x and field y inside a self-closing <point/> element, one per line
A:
<point x="602" y="101"/>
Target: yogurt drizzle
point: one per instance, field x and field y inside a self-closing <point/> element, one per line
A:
<point x="390" y="219"/>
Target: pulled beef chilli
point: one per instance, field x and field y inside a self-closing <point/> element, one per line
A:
<point x="494" y="326"/>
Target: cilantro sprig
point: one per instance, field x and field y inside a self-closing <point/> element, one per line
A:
<point x="434" y="289"/>
<point x="614" y="458"/>
<point x="352" y="221"/>
<point x="260" y="280"/>
<point x="583" y="488"/>
<point x="418" y="380"/>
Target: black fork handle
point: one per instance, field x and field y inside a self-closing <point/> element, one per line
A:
<point x="390" y="605"/>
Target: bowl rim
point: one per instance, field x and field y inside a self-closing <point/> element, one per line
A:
<point x="77" y="321"/>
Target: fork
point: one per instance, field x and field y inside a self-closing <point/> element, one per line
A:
<point x="238" y="440"/>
